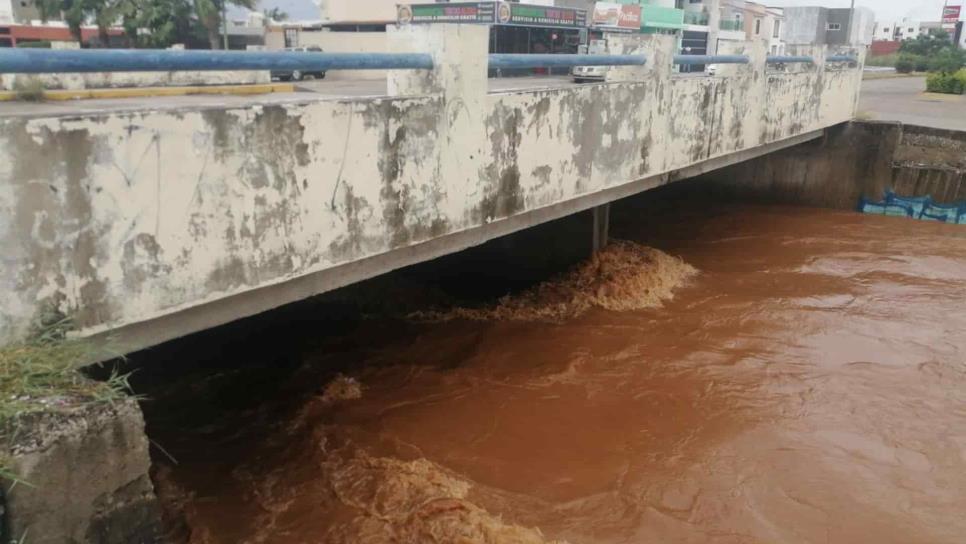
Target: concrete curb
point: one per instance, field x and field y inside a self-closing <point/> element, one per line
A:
<point x="139" y="92"/>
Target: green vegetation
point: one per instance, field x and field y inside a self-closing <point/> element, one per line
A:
<point x="39" y="375"/>
<point x="883" y="60"/>
<point x="38" y="44"/>
<point x="274" y="14"/>
<point x="30" y="89"/>
<point x="908" y="63"/>
<point x="147" y="23"/>
<point x="934" y="53"/>
<point x="949" y="83"/>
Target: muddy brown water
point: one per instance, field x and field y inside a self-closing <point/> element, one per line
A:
<point x="807" y="385"/>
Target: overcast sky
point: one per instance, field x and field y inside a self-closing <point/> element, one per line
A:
<point x="885" y="10"/>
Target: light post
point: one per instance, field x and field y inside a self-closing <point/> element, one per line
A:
<point x="848" y="27"/>
<point x="224" y="24"/>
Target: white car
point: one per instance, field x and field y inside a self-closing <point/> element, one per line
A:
<point x="583" y="74"/>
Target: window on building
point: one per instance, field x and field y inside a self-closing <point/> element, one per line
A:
<point x="777" y="30"/>
<point x="834" y="26"/>
<point x="885" y="30"/>
<point x="911" y="30"/>
<point x="757" y="26"/>
<point x="291" y="37"/>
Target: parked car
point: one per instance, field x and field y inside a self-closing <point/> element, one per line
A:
<point x="298" y="75"/>
<point x="584" y="74"/>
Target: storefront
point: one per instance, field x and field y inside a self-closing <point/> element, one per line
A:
<point x="514" y="28"/>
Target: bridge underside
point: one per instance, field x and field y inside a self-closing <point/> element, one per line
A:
<point x="154" y="224"/>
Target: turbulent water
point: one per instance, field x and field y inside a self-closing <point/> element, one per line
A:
<point x="806" y="384"/>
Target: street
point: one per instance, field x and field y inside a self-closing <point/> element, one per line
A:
<point x="902" y="99"/>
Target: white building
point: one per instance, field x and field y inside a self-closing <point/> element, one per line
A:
<point x="750" y="21"/>
<point x="906" y="29"/>
<point x="6" y="11"/>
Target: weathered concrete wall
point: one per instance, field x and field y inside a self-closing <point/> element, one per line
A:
<point x="87" y="473"/>
<point x="119" y="219"/>
<point x="862" y="159"/>
<point x="104" y="80"/>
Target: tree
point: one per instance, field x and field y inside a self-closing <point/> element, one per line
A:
<point x="157" y="23"/>
<point x="72" y="12"/>
<point x="103" y="13"/>
<point x="275" y="14"/>
<point x="948" y="60"/>
<point x="927" y="44"/>
<point x="209" y="15"/>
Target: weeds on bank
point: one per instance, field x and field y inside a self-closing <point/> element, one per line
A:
<point x="29" y="89"/>
<point x="40" y="375"/>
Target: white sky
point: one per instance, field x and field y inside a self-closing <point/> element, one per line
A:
<point x="885" y="10"/>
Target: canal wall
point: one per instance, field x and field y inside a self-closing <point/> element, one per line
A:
<point x="82" y="476"/>
<point x="158" y="221"/>
<point x="856" y="160"/>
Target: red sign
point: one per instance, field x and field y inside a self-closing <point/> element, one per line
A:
<point x="611" y="15"/>
<point x="951" y="14"/>
<point x="950" y="18"/>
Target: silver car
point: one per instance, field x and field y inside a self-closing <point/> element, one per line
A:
<point x="583" y="74"/>
<point x="298" y="75"/>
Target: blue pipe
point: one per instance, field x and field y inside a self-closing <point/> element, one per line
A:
<point x="785" y="59"/>
<point x="40" y="61"/>
<point x="505" y="61"/>
<point x="692" y="60"/>
<point x="841" y="58"/>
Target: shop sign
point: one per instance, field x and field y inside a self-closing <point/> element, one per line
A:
<point x="951" y="17"/>
<point x="492" y="12"/>
<point x="457" y="12"/>
<point x="618" y="16"/>
<point x="531" y="15"/>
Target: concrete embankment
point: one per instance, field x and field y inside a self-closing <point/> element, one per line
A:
<point x="853" y="160"/>
<point x="82" y="476"/>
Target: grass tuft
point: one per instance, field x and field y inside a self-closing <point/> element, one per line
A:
<point x="29" y="89"/>
<point x="39" y="375"/>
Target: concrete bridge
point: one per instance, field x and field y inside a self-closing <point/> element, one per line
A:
<point x="153" y="221"/>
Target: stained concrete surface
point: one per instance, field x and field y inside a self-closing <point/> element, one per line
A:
<point x="308" y="90"/>
<point x="902" y="100"/>
<point x="87" y="468"/>
<point x="121" y="219"/>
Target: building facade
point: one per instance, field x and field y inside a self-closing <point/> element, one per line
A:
<point x="750" y="21"/>
<point x="828" y="26"/>
<point x="19" y="12"/>
<point x="906" y="29"/>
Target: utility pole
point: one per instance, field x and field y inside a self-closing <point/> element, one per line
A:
<point x="848" y="28"/>
<point x="224" y="23"/>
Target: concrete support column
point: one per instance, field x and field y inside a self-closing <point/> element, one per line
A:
<point x="459" y="81"/>
<point x="751" y="77"/>
<point x="459" y="54"/>
<point x="659" y="50"/>
<point x="714" y="24"/>
<point x="601" y="226"/>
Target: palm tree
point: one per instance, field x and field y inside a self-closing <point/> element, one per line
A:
<point x="274" y="15"/>
<point x="209" y="14"/>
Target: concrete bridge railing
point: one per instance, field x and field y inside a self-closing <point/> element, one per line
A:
<point x="156" y="222"/>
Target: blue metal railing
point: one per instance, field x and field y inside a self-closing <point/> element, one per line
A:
<point x="789" y="59"/>
<point x="500" y="61"/>
<point x="841" y="58"/>
<point x="697" y="60"/>
<point x="39" y="61"/>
